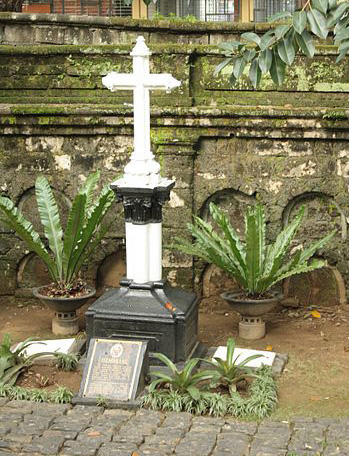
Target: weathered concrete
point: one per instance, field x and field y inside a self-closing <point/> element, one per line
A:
<point x="229" y="145"/>
<point x="31" y="429"/>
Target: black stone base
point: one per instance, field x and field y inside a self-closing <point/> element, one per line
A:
<point x="164" y="316"/>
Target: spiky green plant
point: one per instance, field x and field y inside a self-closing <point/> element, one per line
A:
<point x="230" y="371"/>
<point x="180" y="380"/>
<point x="259" y="404"/>
<point x="253" y="263"/>
<point x="66" y="361"/>
<point x="61" y="395"/>
<point x="14" y="362"/>
<point x="66" y="252"/>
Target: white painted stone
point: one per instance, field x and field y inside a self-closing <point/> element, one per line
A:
<point x="175" y="200"/>
<point x="243" y="353"/>
<point x="63" y="162"/>
<point x="55" y="345"/>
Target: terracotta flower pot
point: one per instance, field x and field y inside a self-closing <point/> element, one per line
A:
<point x="251" y="326"/>
<point x="65" y="320"/>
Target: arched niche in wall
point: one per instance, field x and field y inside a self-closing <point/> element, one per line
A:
<point x="213" y="281"/>
<point x="325" y="286"/>
<point x="31" y="272"/>
<point x="111" y="270"/>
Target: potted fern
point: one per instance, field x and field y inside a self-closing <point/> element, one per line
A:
<point x="65" y="253"/>
<point x="255" y="265"/>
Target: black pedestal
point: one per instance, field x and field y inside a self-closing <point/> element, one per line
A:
<point x="164" y="316"/>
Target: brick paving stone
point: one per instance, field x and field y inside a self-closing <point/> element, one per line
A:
<point x="75" y="448"/>
<point x="5" y="428"/>
<point x="45" y="445"/>
<point x="96" y="434"/>
<point x="67" y="435"/>
<point x="117" y="449"/>
<point x="44" y="409"/>
<point x="24" y="406"/>
<point x="135" y="437"/>
<point x="66" y="423"/>
<point x="30" y="429"/>
<point x="239" y="426"/>
<point x="11" y="417"/>
<point x="232" y="443"/>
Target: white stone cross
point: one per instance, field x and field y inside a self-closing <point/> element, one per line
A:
<point x="142" y="170"/>
<point x="143" y="241"/>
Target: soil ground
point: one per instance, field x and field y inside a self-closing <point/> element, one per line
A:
<point x="314" y="383"/>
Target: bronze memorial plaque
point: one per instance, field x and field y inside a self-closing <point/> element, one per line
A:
<point x="114" y="369"/>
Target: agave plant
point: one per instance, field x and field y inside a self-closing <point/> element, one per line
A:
<point x="230" y="372"/>
<point x="13" y="362"/>
<point x="183" y="381"/>
<point x="254" y="264"/>
<point x="84" y="229"/>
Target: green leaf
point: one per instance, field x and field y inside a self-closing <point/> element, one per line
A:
<point x="250" y="36"/>
<point x="266" y="40"/>
<point x="230" y="45"/>
<point x="230" y="351"/>
<point x="342" y="54"/>
<point x="252" y="248"/>
<point x="317" y="22"/>
<point x="249" y="54"/>
<point x="49" y="216"/>
<point x="94" y="220"/>
<point x="306" y="43"/>
<point x="299" y="21"/>
<point x="277" y="69"/>
<point x="255" y="73"/>
<point x="286" y="51"/>
<point x="73" y="233"/>
<point x="281" y="30"/>
<point x="332" y="4"/>
<point x="167" y="362"/>
<point x="279" y="16"/>
<point x="342" y="35"/>
<point x="239" y="67"/>
<point x="194" y="392"/>
<point x="336" y="14"/>
<point x="88" y="189"/>
<point x="15" y="220"/>
<point x="321" y="5"/>
<point x="222" y="65"/>
<point x="265" y="60"/>
<point x="232" y="79"/>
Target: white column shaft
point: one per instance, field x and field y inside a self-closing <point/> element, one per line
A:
<point x="129" y="250"/>
<point x="155" y="251"/>
<point x="140" y="258"/>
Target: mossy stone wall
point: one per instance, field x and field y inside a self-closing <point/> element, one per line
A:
<point x="234" y="146"/>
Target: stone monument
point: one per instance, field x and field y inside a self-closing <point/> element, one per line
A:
<point x="145" y="307"/>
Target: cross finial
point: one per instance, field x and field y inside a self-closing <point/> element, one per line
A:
<point x="140" y="49"/>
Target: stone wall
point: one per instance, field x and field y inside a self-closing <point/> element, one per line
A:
<point x="233" y="146"/>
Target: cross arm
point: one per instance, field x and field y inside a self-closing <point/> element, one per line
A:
<point x="119" y="81"/>
<point x="162" y="81"/>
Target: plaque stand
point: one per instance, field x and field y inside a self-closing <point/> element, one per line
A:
<point x="154" y="311"/>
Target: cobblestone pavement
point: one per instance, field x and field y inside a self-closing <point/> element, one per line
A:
<point x="33" y="429"/>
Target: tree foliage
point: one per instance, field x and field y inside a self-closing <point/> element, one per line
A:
<point x="274" y="51"/>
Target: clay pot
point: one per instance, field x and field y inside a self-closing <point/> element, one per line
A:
<point x="65" y="320"/>
<point x="251" y="326"/>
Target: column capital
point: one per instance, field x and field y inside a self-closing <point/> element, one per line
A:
<point x="143" y="205"/>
